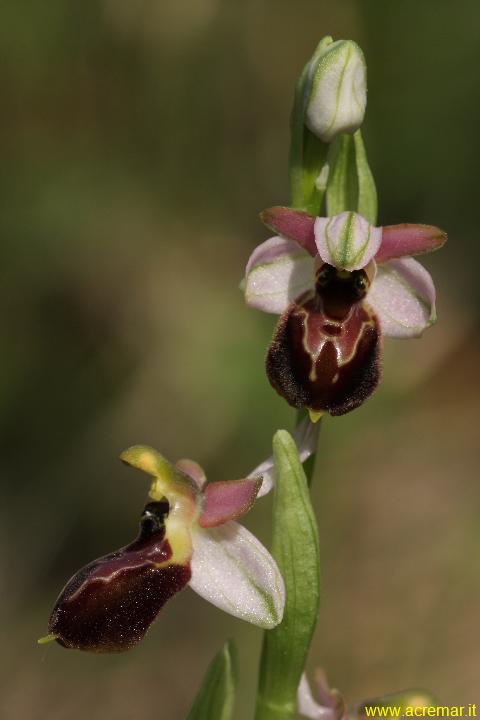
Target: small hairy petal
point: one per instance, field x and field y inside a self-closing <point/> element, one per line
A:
<point x="408" y="239"/>
<point x="232" y="570"/>
<point x="306" y="438"/>
<point x="293" y="225"/>
<point x="403" y="298"/>
<point x="228" y="500"/>
<point x="347" y="241"/>
<point x="277" y="272"/>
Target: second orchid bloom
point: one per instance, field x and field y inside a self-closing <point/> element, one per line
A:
<point x="188" y="535"/>
<point x="339" y="284"/>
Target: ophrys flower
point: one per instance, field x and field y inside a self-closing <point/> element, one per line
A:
<point x="188" y="535"/>
<point x="339" y="284"/>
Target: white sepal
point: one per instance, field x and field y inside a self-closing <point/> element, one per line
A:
<point x="278" y="271"/>
<point x="234" y="571"/>
<point x="403" y="297"/>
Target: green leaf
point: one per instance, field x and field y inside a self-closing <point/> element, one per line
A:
<point x="350" y="183"/>
<point x="216" y="697"/>
<point x="295" y="548"/>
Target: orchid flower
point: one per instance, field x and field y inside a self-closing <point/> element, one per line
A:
<point x="330" y="704"/>
<point x="340" y="284"/>
<point x="188" y="535"/>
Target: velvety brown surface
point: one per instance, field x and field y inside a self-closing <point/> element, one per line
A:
<point x="109" y="604"/>
<point x="325" y="353"/>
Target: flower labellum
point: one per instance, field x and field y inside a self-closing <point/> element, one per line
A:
<point x="325" y="351"/>
<point x="188" y="535"/>
<point x="109" y="605"/>
<point x="340" y="284"/>
<point x="336" y="90"/>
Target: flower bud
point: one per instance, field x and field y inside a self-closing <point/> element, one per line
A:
<point x="108" y="605"/>
<point x="336" y="90"/>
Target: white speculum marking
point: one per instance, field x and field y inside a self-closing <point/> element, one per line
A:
<point x="333" y="339"/>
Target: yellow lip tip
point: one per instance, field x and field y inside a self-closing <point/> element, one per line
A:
<point x="315" y="415"/>
<point x="47" y="639"/>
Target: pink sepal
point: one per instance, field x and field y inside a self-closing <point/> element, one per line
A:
<point x="408" y="239"/>
<point x="292" y="224"/>
<point x="227" y="500"/>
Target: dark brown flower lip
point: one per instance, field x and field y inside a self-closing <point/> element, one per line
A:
<point x="109" y="604"/>
<point x="322" y="365"/>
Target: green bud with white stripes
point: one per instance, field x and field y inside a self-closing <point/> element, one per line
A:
<point x="336" y="89"/>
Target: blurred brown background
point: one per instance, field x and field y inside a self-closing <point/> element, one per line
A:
<point x="138" y="142"/>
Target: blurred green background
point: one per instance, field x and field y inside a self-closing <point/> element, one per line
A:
<point x="139" y="140"/>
